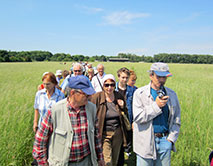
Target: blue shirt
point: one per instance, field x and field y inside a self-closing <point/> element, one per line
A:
<point x="160" y="123"/>
<point x="43" y="103"/>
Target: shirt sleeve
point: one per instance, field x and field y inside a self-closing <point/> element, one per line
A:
<point x="36" y="101"/>
<point x="98" y="143"/>
<point x="65" y="83"/>
<point x="41" y="140"/>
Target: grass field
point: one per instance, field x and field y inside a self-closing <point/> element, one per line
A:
<point x="192" y="83"/>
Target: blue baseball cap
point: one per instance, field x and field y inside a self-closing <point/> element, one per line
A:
<point x="161" y="69"/>
<point x="81" y="82"/>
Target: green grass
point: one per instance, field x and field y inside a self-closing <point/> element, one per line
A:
<point x="192" y="83"/>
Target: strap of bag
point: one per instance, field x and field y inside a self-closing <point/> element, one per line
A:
<point x="99" y="82"/>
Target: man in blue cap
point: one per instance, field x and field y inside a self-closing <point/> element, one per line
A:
<point x="68" y="135"/>
<point x="156" y="119"/>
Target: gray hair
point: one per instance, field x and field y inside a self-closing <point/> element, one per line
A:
<point x="77" y="64"/>
<point x="100" y="65"/>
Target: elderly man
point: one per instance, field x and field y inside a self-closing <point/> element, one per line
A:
<point x="97" y="80"/>
<point x="156" y="119"/>
<point x="77" y="70"/>
<point x="68" y="135"/>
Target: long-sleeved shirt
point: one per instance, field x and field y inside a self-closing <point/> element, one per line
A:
<point x="80" y="145"/>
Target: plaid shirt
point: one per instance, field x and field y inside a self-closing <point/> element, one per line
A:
<point x="80" y="146"/>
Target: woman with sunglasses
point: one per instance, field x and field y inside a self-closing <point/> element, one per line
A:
<point x="110" y="105"/>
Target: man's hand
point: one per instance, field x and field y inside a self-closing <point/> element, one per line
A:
<point x="101" y="163"/>
<point x="161" y="102"/>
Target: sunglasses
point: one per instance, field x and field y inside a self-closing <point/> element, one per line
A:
<point x="77" y="71"/>
<point x="107" y="85"/>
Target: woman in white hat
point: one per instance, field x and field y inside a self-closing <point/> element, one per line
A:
<point x="110" y="105"/>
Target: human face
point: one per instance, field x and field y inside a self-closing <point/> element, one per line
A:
<point x="80" y="98"/>
<point x="101" y="70"/>
<point x="109" y="86"/>
<point x="49" y="86"/>
<point x="77" y="70"/>
<point x="123" y="78"/>
<point x="131" y="81"/>
<point x="157" y="81"/>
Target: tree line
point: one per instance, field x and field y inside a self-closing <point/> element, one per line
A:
<point x="29" y="56"/>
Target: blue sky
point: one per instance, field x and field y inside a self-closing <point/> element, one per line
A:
<point x="97" y="27"/>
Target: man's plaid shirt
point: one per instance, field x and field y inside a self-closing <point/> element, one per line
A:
<point x="80" y="146"/>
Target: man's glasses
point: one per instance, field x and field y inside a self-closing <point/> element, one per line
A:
<point x="107" y="85"/>
<point x="77" y="71"/>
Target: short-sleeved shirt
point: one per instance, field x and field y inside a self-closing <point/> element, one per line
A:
<point x="43" y="103"/>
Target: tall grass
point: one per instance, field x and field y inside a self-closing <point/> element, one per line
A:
<point x="192" y="83"/>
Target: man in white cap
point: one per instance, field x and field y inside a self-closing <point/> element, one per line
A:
<point x="156" y="119"/>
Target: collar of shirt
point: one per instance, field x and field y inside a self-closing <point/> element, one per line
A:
<point x="101" y="77"/>
<point x="70" y="108"/>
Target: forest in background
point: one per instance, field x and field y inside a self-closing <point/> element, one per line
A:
<point x="30" y="56"/>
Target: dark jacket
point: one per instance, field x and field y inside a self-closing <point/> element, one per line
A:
<point x="128" y="98"/>
<point x="99" y="100"/>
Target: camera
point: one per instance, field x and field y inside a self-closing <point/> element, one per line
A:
<point x="160" y="92"/>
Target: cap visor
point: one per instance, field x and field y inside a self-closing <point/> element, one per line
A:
<point x="163" y="73"/>
<point x="89" y="91"/>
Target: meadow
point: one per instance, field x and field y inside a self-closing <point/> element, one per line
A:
<point x="192" y="83"/>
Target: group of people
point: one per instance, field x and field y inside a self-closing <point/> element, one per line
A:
<point x="100" y="119"/>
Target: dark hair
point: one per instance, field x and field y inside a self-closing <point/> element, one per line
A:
<point x="50" y="77"/>
<point x="123" y="70"/>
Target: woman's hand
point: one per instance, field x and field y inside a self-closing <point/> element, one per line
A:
<point x="120" y="103"/>
<point x="35" y="126"/>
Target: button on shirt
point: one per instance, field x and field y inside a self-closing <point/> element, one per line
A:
<point x="43" y="103"/>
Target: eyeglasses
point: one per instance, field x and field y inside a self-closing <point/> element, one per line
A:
<point x="107" y="85"/>
<point x="77" y="71"/>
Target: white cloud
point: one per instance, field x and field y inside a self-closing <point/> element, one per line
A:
<point x="124" y="17"/>
<point x="91" y="10"/>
